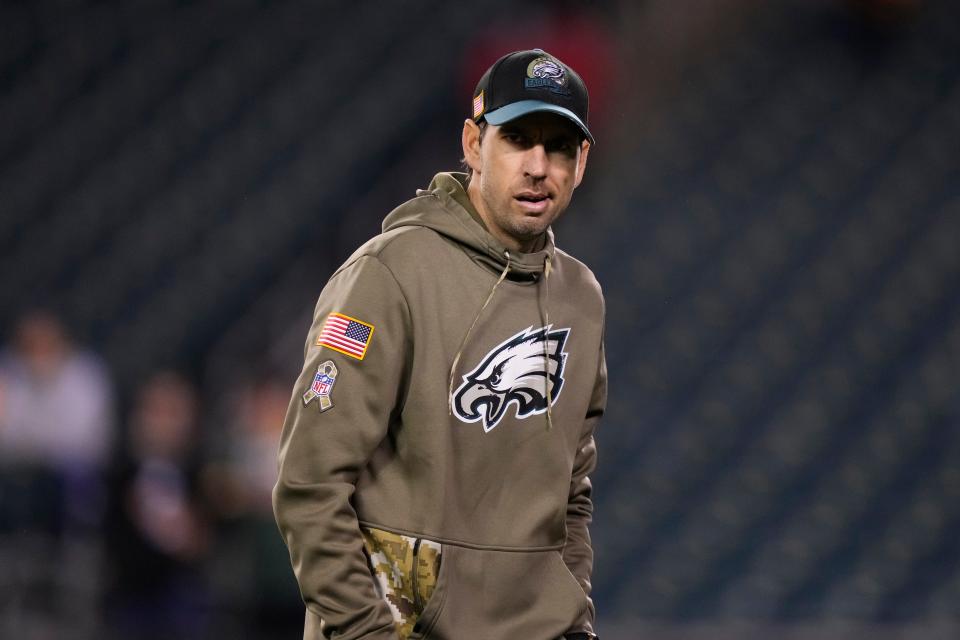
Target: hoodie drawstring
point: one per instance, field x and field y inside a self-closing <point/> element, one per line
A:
<point x="547" y="266"/>
<point x="456" y="360"/>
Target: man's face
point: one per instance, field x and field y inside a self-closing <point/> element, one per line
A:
<point x="524" y="174"/>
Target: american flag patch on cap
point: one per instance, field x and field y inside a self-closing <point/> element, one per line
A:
<point x="478" y="105"/>
<point x="346" y="335"/>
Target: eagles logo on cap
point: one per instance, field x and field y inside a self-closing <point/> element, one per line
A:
<point x="545" y="72"/>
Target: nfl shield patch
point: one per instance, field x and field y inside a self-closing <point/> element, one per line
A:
<point x="322" y="386"/>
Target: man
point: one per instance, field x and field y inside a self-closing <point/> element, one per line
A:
<point x="435" y="456"/>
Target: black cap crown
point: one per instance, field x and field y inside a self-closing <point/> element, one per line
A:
<point x="525" y="82"/>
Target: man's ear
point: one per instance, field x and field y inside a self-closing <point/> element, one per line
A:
<point x="582" y="162"/>
<point x="471" y="145"/>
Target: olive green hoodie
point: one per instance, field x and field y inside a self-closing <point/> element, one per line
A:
<point x="434" y="462"/>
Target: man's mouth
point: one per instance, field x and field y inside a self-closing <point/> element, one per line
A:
<point x="533" y="201"/>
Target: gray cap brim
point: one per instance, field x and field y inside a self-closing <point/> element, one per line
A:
<point x="515" y="110"/>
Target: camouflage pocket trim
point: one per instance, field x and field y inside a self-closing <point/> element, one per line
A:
<point x="406" y="570"/>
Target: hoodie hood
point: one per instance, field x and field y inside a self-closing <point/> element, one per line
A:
<point x="445" y="207"/>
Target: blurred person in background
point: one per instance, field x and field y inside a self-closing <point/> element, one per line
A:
<point x="56" y="428"/>
<point x="252" y="579"/>
<point x="158" y="525"/>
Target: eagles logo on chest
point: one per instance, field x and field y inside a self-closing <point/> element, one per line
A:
<point x="518" y="371"/>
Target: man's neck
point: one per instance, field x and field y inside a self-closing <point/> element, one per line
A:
<point x="508" y="241"/>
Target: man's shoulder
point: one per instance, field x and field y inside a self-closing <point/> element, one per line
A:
<point x="396" y="245"/>
<point x="575" y="271"/>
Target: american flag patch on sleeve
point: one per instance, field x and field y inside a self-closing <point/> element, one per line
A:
<point x="346" y="335"/>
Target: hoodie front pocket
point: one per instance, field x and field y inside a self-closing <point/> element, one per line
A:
<point x="486" y="595"/>
<point x="407" y="571"/>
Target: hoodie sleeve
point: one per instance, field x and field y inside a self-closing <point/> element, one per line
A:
<point x="323" y="451"/>
<point x="578" y="552"/>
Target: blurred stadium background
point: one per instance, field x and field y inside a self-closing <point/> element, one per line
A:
<point x="773" y="209"/>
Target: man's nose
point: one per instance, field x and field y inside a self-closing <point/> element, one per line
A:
<point x="535" y="161"/>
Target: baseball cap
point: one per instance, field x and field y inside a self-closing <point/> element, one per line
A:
<point x="529" y="81"/>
